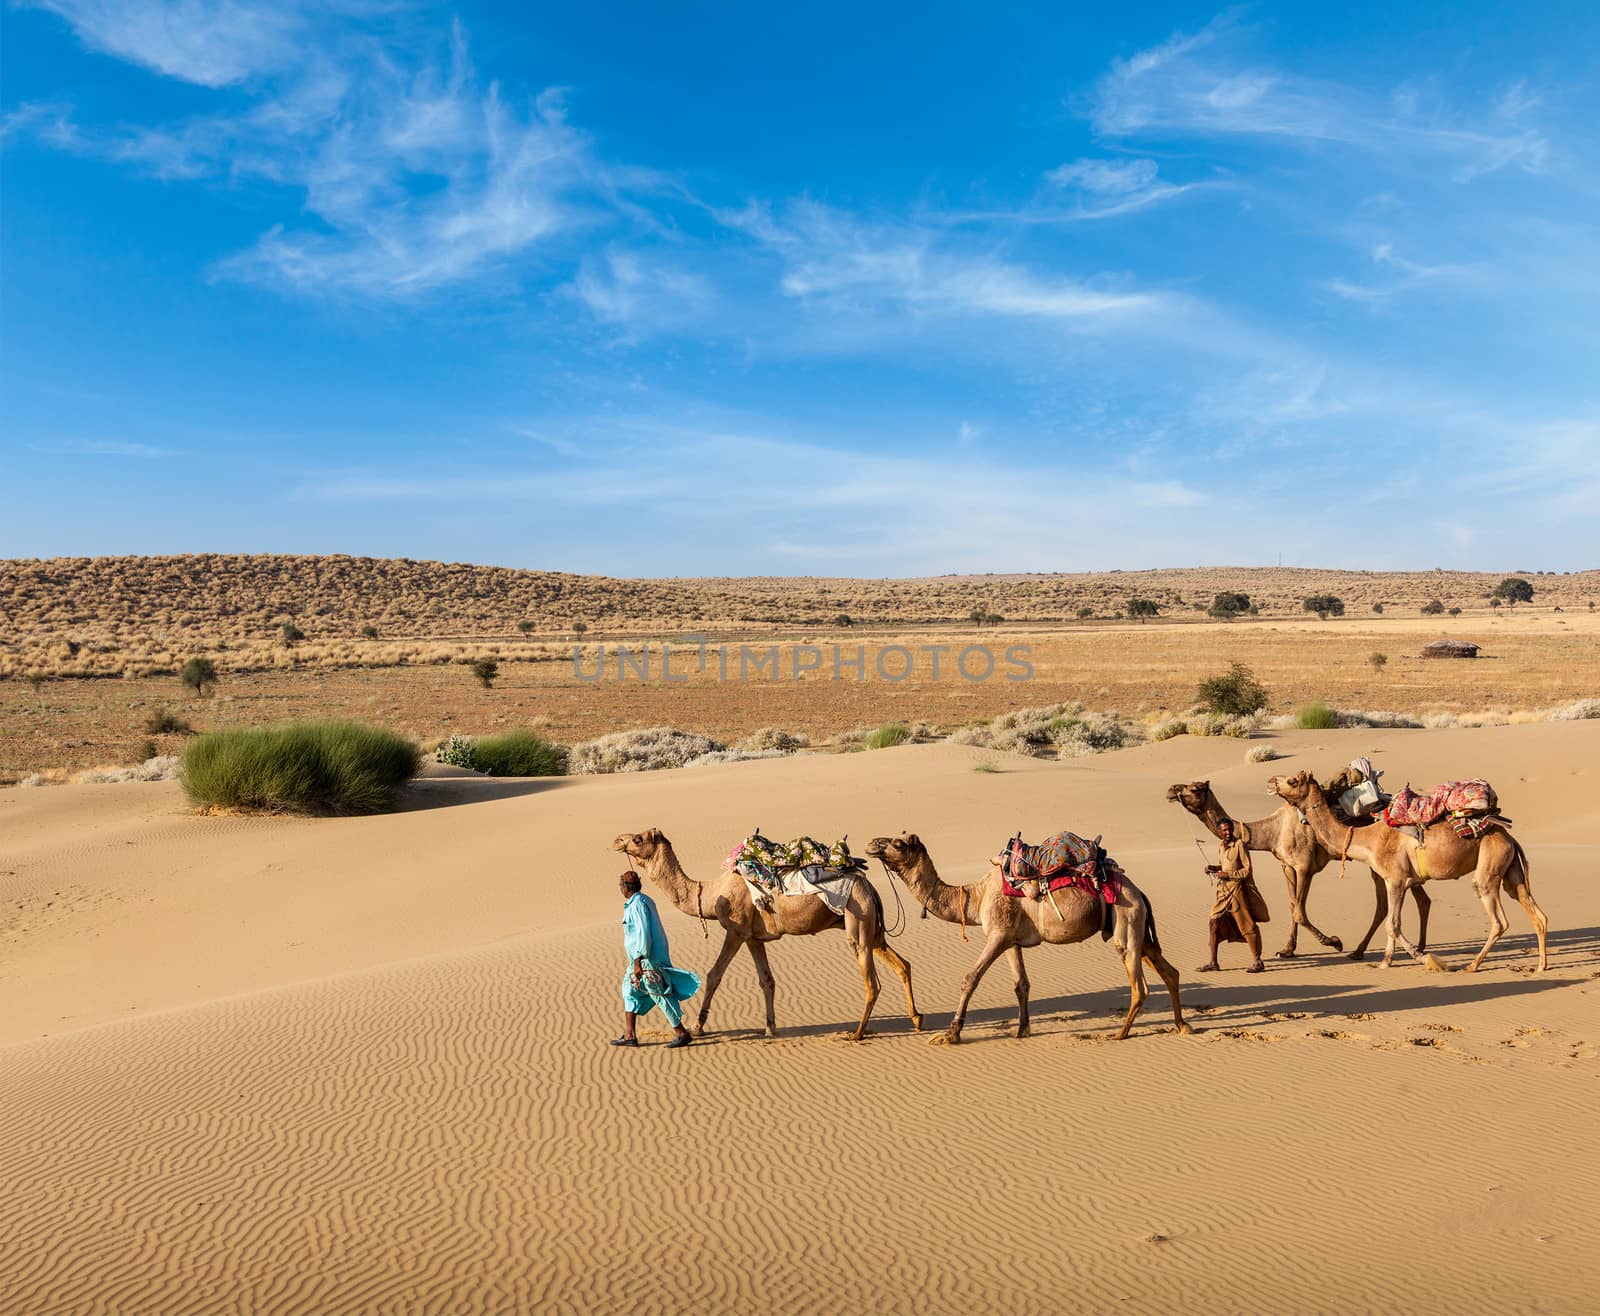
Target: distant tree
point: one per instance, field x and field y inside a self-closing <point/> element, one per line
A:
<point x="1229" y="605"/>
<point x="1514" y="590"/>
<point x="199" y="675"/>
<point x="1433" y="608"/>
<point x="1085" y="613"/>
<point x="1234" y="692"/>
<point x="1495" y="603"/>
<point x="1378" y="661"/>
<point x="1325" y="605"/>
<point x="370" y="631"/>
<point x="977" y="616"/>
<point x="579" y="627"/>
<point x="485" y="669"/>
<point x="843" y="619"/>
<point x="74" y="648"/>
<point x="292" y="635"/>
<point x="1378" y="608"/>
<point x="525" y="626"/>
<point x="1455" y="612"/>
<point x="1143" y="609"/>
<point x="993" y="618"/>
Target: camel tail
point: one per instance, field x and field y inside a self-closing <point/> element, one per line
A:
<point x="877" y="904"/>
<point x="1522" y="860"/>
<point x="1151" y="937"/>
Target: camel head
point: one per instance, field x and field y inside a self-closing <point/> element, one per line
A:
<point x="1192" y="794"/>
<point x="1296" y="788"/>
<point x="898" y="852"/>
<point x="641" y="846"/>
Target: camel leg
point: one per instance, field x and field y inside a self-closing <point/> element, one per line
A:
<point x="1303" y="894"/>
<point x="1169" y="975"/>
<point x="1517" y="880"/>
<point x="1296" y="916"/>
<point x="731" y="941"/>
<point x="861" y="937"/>
<point x="1019" y="976"/>
<point x="1424" y="903"/>
<point x="769" y="985"/>
<point x="991" y="952"/>
<point x="1397" y="899"/>
<point x="1380" y="895"/>
<point x="1489" y="893"/>
<point x="902" y="968"/>
<point x="1133" y="961"/>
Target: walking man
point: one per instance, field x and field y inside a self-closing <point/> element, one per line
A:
<point x="650" y="979"/>
<point x="1238" y="906"/>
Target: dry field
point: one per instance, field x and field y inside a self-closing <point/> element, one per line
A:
<point x="1532" y="659"/>
<point x="147" y="615"/>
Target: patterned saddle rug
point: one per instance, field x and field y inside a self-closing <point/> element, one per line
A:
<point x="795" y="868"/>
<point x="1410" y="809"/>
<point x="1066" y="859"/>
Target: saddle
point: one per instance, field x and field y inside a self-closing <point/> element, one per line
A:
<point x="773" y="868"/>
<point x="1033" y="872"/>
<point x="1471" y="807"/>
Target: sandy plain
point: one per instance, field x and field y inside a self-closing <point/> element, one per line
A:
<point x="358" y="1064"/>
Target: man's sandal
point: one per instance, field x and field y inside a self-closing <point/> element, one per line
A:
<point x="624" y="1041"/>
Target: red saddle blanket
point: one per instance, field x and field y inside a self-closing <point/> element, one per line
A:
<point x="1066" y="859"/>
<point x="1409" y="809"/>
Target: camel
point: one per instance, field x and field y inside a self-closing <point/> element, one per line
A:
<point x="1011" y="925"/>
<point x="728" y="903"/>
<point x="1289" y="839"/>
<point x="1494" y="859"/>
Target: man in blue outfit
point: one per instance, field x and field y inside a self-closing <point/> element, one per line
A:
<point x="650" y="979"/>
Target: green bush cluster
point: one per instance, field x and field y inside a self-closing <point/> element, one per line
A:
<point x="342" y="767"/>
<point x="1316" y="717"/>
<point x="519" y="754"/>
<point x="1235" y="692"/>
<point x="887" y="736"/>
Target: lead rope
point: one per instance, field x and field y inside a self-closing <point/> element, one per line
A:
<point x="700" y="910"/>
<point x="900" y="909"/>
<point x="963" y="891"/>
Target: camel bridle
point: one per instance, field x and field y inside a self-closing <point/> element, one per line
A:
<point x="1349" y="836"/>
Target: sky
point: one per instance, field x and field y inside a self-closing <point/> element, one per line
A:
<point x="889" y="289"/>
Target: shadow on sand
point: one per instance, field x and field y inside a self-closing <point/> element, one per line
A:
<point x="449" y="792"/>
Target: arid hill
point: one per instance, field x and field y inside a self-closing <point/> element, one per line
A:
<point x="102" y="615"/>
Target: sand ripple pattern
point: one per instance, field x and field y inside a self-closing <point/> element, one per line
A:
<point x="451" y="1134"/>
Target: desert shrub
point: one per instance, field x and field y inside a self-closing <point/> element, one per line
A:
<point x="343" y="767"/>
<point x="1577" y="711"/>
<point x="370" y="631"/>
<point x="1377" y="661"/>
<point x="291" y="635"/>
<point x="640" y="751"/>
<point x="843" y="619"/>
<point x="1433" y="608"/>
<point x="1260" y="754"/>
<point x="1325" y="605"/>
<point x="1017" y="740"/>
<point x="519" y="754"/>
<point x="199" y="675"/>
<point x="148" y="751"/>
<point x="887" y="736"/>
<point x="733" y="756"/>
<point x="1353" y="717"/>
<point x="155" y="767"/>
<point x="1085" y="613"/>
<point x="486" y="670"/>
<point x="33" y="779"/>
<point x="1233" y="692"/>
<point x="1378" y="608"/>
<point x="163" y="723"/>
<point x="773" y="738"/>
<point x="525" y="626"/>
<point x="1167" y="728"/>
<point x="1316" y="717"/>
<point x="1143" y="609"/>
<point x="977" y="734"/>
<point x="459" y="752"/>
<point x="579" y="627"/>
<point x="1094" y="733"/>
<point x="1229" y="604"/>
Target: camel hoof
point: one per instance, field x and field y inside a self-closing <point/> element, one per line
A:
<point x="1184" y="1029"/>
<point x="916" y="1023"/>
<point x="954" y="1036"/>
<point x="1023" y="1032"/>
<point x="699" y="1030"/>
<point x="1286" y="955"/>
<point x="1335" y="943"/>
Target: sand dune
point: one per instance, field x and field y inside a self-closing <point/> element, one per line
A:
<point x="358" y="1064"/>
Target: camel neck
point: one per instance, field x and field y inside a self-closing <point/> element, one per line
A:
<point x="938" y="897"/>
<point x="684" y="892"/>
<point x="1258" y="835"/>
<point x="1325" y="827"/>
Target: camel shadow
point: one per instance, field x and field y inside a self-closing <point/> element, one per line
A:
<point x="425" y="793"/>
<point x="934" y="1023"/>
<point x="1438" y="992"/>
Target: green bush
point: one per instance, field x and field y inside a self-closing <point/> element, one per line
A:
<point x="199" y="674"/>
<point x="519" y="754"/>
<point x="1316" y="717"/>
<point x="486" y="670"/>
<point x="341" y="767"/>
<point x="459" y="752"/>
<point x="1234" y="692"/>
<point x="163" y="723"/>
<point x="887" y="736"/>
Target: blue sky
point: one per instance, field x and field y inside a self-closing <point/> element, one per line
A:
<point x="877" y="290"/>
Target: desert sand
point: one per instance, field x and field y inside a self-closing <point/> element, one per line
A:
<point x="359" y="1064"/>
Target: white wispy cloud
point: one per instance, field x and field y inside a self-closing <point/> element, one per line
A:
<point x="641" y="294"/>
<point x="102" y="448"/>
<point x="1205" y="84"/>
<point x="1400" y="275"/>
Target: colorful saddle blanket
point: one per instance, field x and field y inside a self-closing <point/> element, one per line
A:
<point x="1455" y="798"/>
<point x="763" y="860"/>
<point x="1066" y="859"/>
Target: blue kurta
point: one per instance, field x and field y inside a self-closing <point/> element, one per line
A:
<point x="645" y="939"/>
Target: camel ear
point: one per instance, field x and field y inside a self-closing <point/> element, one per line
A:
<point x="911" y="838"/>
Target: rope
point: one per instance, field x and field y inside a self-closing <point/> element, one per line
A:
<point x="1344" y="858"/>
<point x="700" y="910"/>
<point x="900" y="909"/>
<point x="963" y="891"/>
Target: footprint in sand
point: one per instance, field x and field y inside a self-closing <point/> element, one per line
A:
<point x="1339" y="1035"/>
<point x="1361" y="1018"/>
<point x="1438" y="1028"/>
<point x="1292" y="1014"/>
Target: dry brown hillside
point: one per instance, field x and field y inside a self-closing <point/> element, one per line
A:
<point x="139" y="615"/>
